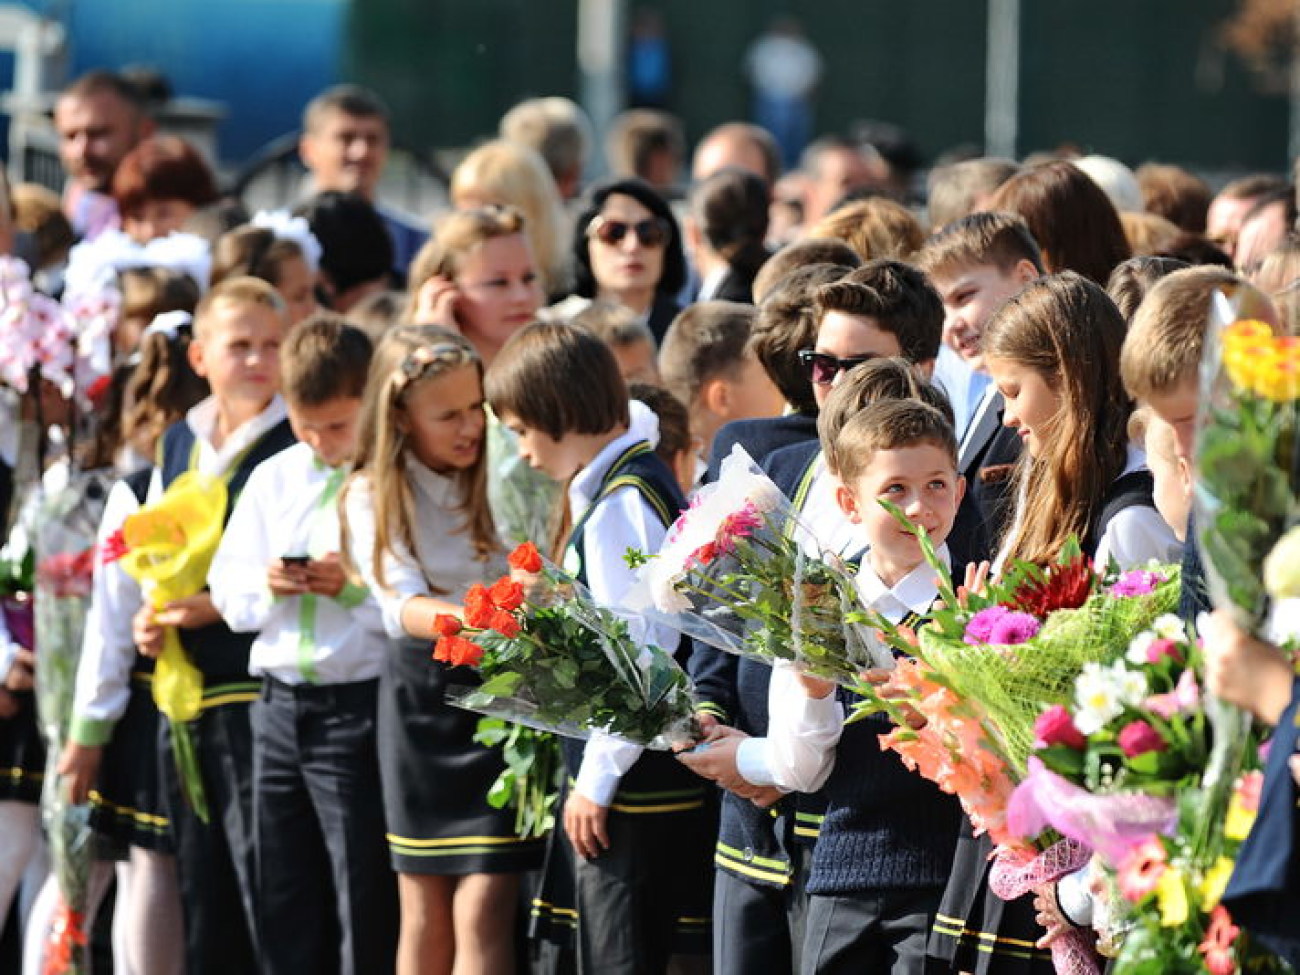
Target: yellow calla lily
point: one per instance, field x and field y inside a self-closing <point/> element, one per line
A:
<point x="1171" y="896"/>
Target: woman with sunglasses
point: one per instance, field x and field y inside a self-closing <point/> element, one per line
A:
<point x="627" y="249"/>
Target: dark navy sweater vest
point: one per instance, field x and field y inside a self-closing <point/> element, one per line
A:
<point x="217" y="651"/>
<point x="657" y="782"/>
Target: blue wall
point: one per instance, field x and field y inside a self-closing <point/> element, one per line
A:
<point x="263" y="58"/>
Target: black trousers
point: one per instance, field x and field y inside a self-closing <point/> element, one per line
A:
<point x="326" y="895"/>
<point x="760" y="928"/>
<point x="880" y="931"/>
<point x="214" y="861"/>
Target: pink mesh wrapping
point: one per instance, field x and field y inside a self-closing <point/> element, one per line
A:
<point x="1015" y="873"/>
<point x="1111" y="825"/>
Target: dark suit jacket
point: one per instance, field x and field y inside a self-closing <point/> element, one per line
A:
<point x="987" y="461"/>
<point x="662" y="312"/>
<point x="759" y="437"/>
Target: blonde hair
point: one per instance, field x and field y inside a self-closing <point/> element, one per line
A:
<point x="455" y="237"/>
<point x="875" y="227"/>
<point x="407" y="356"/>
<point x="891" y="424"/>
<point x="238" y="291"/>
<point x="1279" y="269"/>
<point x="509" y="174"/>
<point x="1066" y="329"/>
<point x="1147" y="233"/>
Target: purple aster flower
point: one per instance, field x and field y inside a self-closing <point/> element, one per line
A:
<point x="1136" y="582"/>
<point x="979" y="628"/>
<point x="1014" y="628"/>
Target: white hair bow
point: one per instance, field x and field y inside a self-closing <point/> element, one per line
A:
<point x="285" y="226"/>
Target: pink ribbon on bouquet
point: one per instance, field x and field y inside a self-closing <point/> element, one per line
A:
<point x="1111" y="825"/>
<point x="1016" y="873"/>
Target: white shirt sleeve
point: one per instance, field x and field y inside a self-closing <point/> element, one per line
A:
<point x="402" y="573"/>
<point x="802" y="733"/>
<point x="622" y="520"/>
<point x="108" y="646"/>
<point x="1135" y="536"/>
<point x="237" y="577"/>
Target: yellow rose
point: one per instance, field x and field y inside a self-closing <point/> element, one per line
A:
<point x="1282" y="567"/>
<point x="1214" y="883"/>
<point x="1237" y="824"/>
<point x="1171" y="894"/>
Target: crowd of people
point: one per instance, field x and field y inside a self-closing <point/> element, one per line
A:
<point x="1009" y="354"/>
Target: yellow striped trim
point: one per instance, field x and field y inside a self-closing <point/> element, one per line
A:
<point x="733" y="861"/>
<point x="456" y="845"/>
<point x="667" y="807"/>
<point x="553" y="909"/>
<point x="221" y="694"/>
<point x="954" y="927"/>
<point x="155" y="824"/>
<point x="645" y="490"/>
<point x="808" y="825"/>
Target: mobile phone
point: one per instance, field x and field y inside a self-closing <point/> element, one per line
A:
<point x="295" y="559"/>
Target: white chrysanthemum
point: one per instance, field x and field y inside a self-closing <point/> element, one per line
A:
<point x="1133" y="686"/>
<point x="1138" y="646"/>
<point x="1098" y="696"/>
<point x="1169" y="627"/>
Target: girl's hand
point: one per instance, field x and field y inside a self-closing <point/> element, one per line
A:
<point x="1049" y="916"/>
<point x="79" y="766"/>
<point x="1245" y="671"/>
<point x="189" y="612"/>
<point x="585" y="824"/>
<point x="21" y="671"/>
<point x="435" y="303"/>
<point x="977" y="580"/>
<point x="147" y="632"/>
<point x="284" y="579"/>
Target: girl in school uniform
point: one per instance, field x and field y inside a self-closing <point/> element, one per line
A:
<point x="1052" y="351"/>
<point x="418" y="529"/>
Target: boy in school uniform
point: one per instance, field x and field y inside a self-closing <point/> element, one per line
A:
<point x="238" y="328"/>
<point x="976" y="263"/>
<point x="325" y="894"/>
<point x="885" y="848"/>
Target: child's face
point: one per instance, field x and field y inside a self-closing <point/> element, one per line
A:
<point x="297" y="286"/>
<point x="444" y="420"/>
<point x="846" y="336"/>
<point x="499" y="290"/>
<point x="1031" y="402"/>
<point x="238" y="352"/>
<point x="923" y="482"/>
<point x="1177" y="408"/>
<point x="557" y="459"/>
<point x="329" y="428"/>
<point x="970" y="296"/>
<point x="636" y="362"/>
<point x="157" y="218"/>
<point x="1173" y="483"/>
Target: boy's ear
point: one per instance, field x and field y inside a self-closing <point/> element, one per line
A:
<point x="926" y="368"/>
<point x="1024" y="271"/>
<point x="961" y="489"/>
<point x="195" y="354"/>
<point x="715" y="396"/>
<point x="848" y="502"/>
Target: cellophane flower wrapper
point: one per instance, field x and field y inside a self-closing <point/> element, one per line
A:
<point x="570" y="666"/>
<point x="169" y="545"/>
<point x="65" y="528"/>
<point x="741" y="572"/>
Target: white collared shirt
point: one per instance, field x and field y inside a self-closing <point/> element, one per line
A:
<point x="290" y="507"/>
<point x="217" y="461"/>
<point x="622" y="520"/>
<point x="798" y="753"/>
<point x="444" y="553"/>
<point x="107" y="646"/>
<point x="829" y="531"/>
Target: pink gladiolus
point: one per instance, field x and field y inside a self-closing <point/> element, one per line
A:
<point x="1138" y="738"/>
<point x="1185" y="697"/>
<point x="1140" y="873"/>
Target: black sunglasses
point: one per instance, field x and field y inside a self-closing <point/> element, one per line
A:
<point x="651" y="233"/>
<point x="823" y="368"/>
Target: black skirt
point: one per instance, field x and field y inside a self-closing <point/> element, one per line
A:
<point x="436" y="777"/>
<point x="22" y="753"/>
<point x="978" y="932"/>
<point x="127" y="806"/>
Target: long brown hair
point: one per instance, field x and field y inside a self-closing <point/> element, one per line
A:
<point x="407" y="356"/>
<point x="1065" y="328"/>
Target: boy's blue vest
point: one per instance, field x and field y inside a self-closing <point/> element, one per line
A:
<point x="219" y="652"/>
<point x="657" y="782"/>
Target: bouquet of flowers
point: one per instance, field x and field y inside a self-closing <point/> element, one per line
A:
<point x="64" y="528"/>
<point x="734" y="574"/>
<point x="167" y="547"/>
<point x="551" y="658"/>
<point x="37" y="337"/>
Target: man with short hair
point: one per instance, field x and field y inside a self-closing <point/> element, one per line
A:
<point x="344" y="143"/>
<point x="100" y="117"/>
<point x="738" y="144"/>
<point x="559" y="131"/>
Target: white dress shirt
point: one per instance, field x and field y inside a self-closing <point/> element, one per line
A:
<point x="798" y="753"/>
<point x="217" y="461"/>
<point x="107" y="646"/>
<point x="622" y="520"/>
<point x="290" y="507"/>
<point x="828" y="529"/>
<point x="444" y="557"/>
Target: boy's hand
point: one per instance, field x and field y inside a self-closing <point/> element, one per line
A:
<point x="189" y="612"/>
<point x="325" y="576"/>
<point x="1245" y="671"/>
<point x="815" y="687"/>
<point x="708" y="723"/>
<point x="766" y="796"/>
<point x="716" y="760"/>
<point x="21" y="671"/>
<point x="286" y="578"/>
<point x="584" y="822"/>
<point x="79" y="766"/>
<point x="147" y="632"/>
